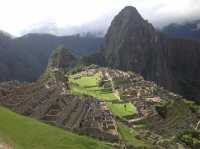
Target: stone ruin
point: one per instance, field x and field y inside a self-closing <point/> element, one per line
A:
<point x="133" y="88"/>
<point x="100" y="119"/>
<point x="46" y="101"/>
<point x="147" y="98"/>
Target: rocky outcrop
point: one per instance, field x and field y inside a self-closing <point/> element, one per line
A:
<point x="61" y="61"/>
<point x="62" y="58"/>
<point x="132" y="43"/>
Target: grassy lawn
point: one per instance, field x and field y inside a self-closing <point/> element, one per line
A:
<point x="121" y="111"/>
<point x="88" y="85"/>
<point x="129" y="135"/>
<point x="26" y="133"/>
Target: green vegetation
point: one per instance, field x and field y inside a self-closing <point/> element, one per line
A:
<point x="76" y="69"/>
<point x="130" y="137"/>
<point x="194" y="107"/>
<point x="62" y="58"/>
<point x="178" y="116"/>
<point x="162" y="110"/>
<point x="122" y="110"/>
<point x="26" y="133"/>
<point x="190" y="137"/>
<point x="88" y="85"/>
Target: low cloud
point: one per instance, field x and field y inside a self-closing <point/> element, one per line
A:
<point x="157" y="12"/>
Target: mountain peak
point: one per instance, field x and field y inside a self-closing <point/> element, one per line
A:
<point x="129" y="9"/>
<point x="128" y="31"/>
<point x="132" y="43"/>
<point x="130" y="13"/>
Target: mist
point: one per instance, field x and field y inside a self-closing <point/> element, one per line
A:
<point x="63" y="17"/>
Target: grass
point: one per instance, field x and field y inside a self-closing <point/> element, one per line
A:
<point x="122" y="111"/>
<point x="27" y="133"/>
<point x="88" y="85"/>
<point x="129" y="135"/>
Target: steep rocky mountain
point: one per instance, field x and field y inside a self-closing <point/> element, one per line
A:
<point x="189" y="30"/>
<point x="132" y="43"/>
<point x="25" y="58"/>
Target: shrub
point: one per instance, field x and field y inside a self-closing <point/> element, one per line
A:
<point x="190" y="138"/>
<point x="162" y="110"/>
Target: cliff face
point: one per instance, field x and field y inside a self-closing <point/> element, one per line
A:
<point x="132" y="43"/>
<point x="184" y="62"/>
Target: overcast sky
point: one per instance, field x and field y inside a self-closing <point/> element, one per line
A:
<point x="20" y="16"/>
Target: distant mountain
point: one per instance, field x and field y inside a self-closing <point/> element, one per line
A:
<point x="26" y="57"/>
<point x="189" y="30"/>
<point x="95" y="27"/>
<point x="132" y="43"/>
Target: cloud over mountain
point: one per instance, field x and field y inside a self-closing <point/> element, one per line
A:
<point x="67" y="17"/>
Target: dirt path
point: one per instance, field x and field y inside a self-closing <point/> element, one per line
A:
<point x="5" y="146"/>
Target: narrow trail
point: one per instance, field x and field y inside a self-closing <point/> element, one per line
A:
<point x="5" y="146"/>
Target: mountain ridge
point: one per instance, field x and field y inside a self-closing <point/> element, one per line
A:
<point x="132" y="43"/>
<point x="25" y="58"/>
<point x="187" y="30"/>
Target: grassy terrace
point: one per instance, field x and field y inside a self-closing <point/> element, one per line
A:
<point x="129" y="136"/>
<point x="122" y="110"/>
<point x="88" y="85"/>
<point x="25" y="133"/>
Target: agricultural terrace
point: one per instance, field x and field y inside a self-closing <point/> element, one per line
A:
<point x="87" y="84"/>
